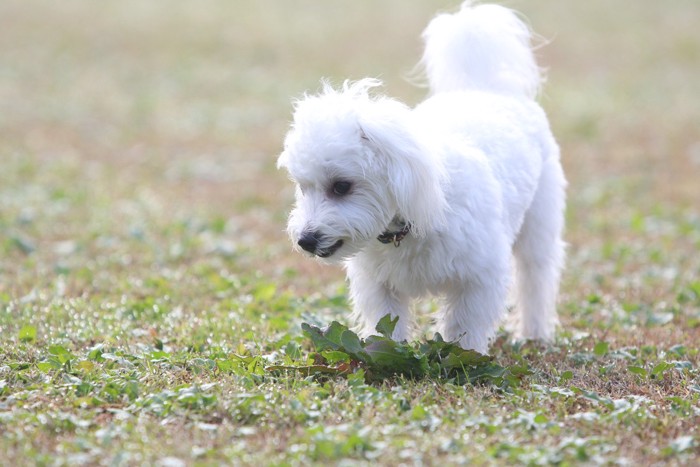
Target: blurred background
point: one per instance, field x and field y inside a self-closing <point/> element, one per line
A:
<point x="134" y="134"/>
<point x="141" y="214"/>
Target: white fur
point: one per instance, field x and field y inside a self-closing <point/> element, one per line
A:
<point x="474" y="169"/>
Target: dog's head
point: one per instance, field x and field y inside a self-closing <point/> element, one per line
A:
<point x="357" y="162"/>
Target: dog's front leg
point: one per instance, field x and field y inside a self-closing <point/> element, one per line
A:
<point x="372" y="301"/>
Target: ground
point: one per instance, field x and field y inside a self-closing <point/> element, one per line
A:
<point x="146" y="281"/>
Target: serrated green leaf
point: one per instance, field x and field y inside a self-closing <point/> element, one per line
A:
<point x="319" y="338"/>
<point x="382" y="357"/>
<point x="391" y="358"/>
<point x="334" y="332"/>
<point x="351" y="344"/>
<point x="386" y="325"/>
<point x="386" y="353"/>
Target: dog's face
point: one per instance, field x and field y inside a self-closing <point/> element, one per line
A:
<point x="342" y="196"/>
<point x="357" y="164"/>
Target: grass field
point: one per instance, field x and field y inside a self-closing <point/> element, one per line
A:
<point x="146" y="282"/>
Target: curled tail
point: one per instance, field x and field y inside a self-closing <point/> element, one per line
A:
<point x="485" y="47"/>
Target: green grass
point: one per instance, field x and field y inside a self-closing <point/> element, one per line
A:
<point x="147" y="286"/>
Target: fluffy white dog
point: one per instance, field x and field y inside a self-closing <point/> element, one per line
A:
<point x="437" y="199"/>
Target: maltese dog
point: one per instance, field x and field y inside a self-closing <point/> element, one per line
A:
<point x="437" y="199"/>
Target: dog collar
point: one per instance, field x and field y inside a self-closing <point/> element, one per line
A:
<point x="395" y="236"/>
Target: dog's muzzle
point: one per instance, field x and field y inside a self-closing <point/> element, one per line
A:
<point x="309" y="241"/>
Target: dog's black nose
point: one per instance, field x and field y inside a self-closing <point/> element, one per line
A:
<point x="309" y="241"/>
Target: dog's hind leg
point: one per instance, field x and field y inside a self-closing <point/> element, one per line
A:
<point x="472" y="312"/>
<point x="475" y="306"/>
<point x="539" y="257"/>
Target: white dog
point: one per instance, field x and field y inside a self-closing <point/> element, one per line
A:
<point x="437" y="199"/>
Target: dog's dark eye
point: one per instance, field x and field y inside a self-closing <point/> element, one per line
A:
<point x="341" y="188"/>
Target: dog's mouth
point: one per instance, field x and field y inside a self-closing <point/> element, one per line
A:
<point x="330" y="250"/>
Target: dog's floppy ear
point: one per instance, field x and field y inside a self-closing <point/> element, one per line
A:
<point x="414" y="176"/>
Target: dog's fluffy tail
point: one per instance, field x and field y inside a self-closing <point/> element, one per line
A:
<point x="484" y="47"/>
